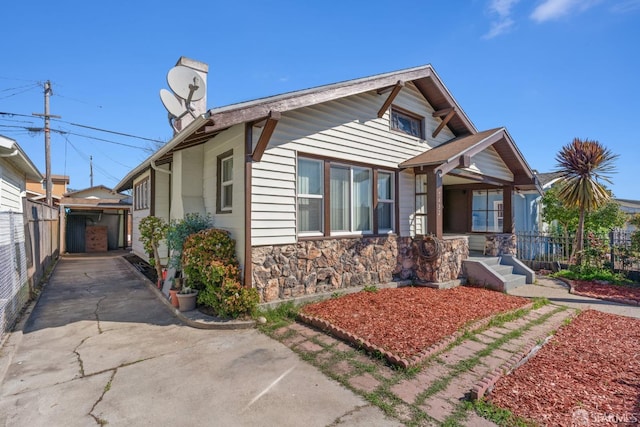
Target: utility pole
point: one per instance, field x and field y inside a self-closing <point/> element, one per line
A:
<point x="47" y="139"/>
<point x="91" y="170"/>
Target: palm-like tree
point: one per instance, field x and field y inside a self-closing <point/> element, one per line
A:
<point x="583" y="165"/>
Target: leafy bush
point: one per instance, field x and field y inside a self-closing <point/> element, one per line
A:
<point x="210" y="264"/>
<point x="152" y="231"/>
<point x="203" y="247"/>
<point x="230" y="299"/>
<point x="590" y="273"/>
<point x="179" y="230"/>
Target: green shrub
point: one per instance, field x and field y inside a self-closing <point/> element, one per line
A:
<point x="179" y="230"/>
<point x="590" y="273"/>
<point x="230" y="299"/>
<point x="152" y="231"/>
<point x="203" y="247"/>
<point x="210" y="264"/>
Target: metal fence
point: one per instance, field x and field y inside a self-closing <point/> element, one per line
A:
<point x="28" y="245"/>
<point x="611" y="249"/>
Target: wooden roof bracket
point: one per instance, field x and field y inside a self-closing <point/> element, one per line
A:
<point x="265" y="136"/>
<point x="394" y="92"/>
<point x="448" y="114"/>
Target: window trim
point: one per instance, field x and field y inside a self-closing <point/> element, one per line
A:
<point x="141" y="195"/>
<point x="326" y="232"/>
<point x="321" y="196"/>
<point x="391" y="201"/>
<point x="410" y="115"/>
<point x="220" y="185"/>
<point x="490" y="210"/>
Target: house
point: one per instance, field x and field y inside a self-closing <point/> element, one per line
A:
<point x="15" y="169"/>
<point x="36" y="190"/>
<point x="341" y="185"/>
<point x="631" y="208"/>
<point x="95" y="219"/>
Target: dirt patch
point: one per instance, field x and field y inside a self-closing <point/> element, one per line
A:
<point x="406" y="321"/>
<point x="588" y="374"/>
<point x="619" y="293"/>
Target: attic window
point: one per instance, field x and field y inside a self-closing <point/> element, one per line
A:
<point x="406" y="123"/>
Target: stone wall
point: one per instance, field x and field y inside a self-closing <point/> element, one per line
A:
<point x="418" y="262"/>
<point x="501" y="244"/>
<point x="317" y="266"/>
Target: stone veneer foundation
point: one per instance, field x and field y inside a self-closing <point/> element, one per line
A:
<point x="319" y="266"/>
<point x="501" y="244"/>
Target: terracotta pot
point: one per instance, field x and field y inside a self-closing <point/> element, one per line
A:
<point x="187" y="302"/>
<point x="173" y="298"/>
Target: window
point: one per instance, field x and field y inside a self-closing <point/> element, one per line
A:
<point x="487" y="211"/>
<point x="406" y="123"/>
<point x="310" y="196"/>
<point x="141" y="195"/>
<point x="385" y="206"/>
<point x="225" y="182"/>
<point x="350" y="195"/>
<point x="420" y="221"/>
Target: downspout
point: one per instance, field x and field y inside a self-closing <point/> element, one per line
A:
<point x="155" y="167"/>
<point x="15" y="153"/>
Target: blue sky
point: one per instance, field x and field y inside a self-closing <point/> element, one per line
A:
<point x="548" y="70"/>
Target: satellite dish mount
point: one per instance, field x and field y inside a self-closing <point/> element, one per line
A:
<point x="187" y="86"/>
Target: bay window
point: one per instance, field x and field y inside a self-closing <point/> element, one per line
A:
<point x="351" y="194"/>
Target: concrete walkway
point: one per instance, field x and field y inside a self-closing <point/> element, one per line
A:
<point x="100" y="348"/>
<point x="557" y="292"/>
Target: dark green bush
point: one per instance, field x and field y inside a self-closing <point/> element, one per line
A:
<point x="210" y="264"/>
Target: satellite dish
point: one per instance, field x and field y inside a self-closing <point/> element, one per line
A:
<point x="186" y="83"/>
<point x="172" y="103"/>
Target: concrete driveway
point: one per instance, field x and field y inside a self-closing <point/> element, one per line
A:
<point x="100" y="348"/>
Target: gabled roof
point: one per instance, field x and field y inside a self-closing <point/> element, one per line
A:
<point x="457" y="153"/>
<point x="11" y="151"/>
<point x="100" y="188"/>
<point x="218" y="119"/>
<point x="547" y="179"/>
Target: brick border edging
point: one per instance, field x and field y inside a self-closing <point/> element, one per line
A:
<point x="572" y="290"/>
<point x="488" y="382"/>
<point x="390" y="357"/>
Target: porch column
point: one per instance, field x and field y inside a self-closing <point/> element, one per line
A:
<point x="434" y="202"/>
<point x="507" y="209"/>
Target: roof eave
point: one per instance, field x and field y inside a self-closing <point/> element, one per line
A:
<point x="127" y="182"/>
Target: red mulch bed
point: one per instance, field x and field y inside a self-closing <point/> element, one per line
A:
<point x="589" y="371"/>
<point x="607" y="291"/>
<point x="405" y="321"/>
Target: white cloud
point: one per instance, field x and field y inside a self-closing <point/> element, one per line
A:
<point x="553" y="9"/>
<point x="504" y="22"/>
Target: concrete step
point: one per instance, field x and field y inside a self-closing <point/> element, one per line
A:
<point x="513" y="281"/>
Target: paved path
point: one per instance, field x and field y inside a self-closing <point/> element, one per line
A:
<point x="558" y="293"/>
<point x="435" y="394"/>
<point x="99" y="348"/>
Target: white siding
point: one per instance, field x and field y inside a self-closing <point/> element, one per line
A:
<point x="12" y="183"/>
<point x="488" y="162"/>
<point x="136" y="245"/>
<point x="346" y="129"/>
<point x="231" y="139"/>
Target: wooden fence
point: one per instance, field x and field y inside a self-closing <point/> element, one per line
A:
<point x="29" y="243"/>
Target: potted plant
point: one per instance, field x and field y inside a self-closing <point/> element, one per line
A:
<point x="186" y="298"/>
<point x="152" y="231"/>
<point x="176" y="286"/>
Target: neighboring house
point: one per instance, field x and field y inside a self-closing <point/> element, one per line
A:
<point x="335" y="186"/>
<point x="631" y="208"/>
<point x="15" y="169"/>
<point x="36" y="190"/>
<point x="95" y="219"/>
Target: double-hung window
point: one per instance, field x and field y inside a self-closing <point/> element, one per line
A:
<point x="225" y="182"/>
<point x="310" y="197"/>
<point x="385" y="202"/>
